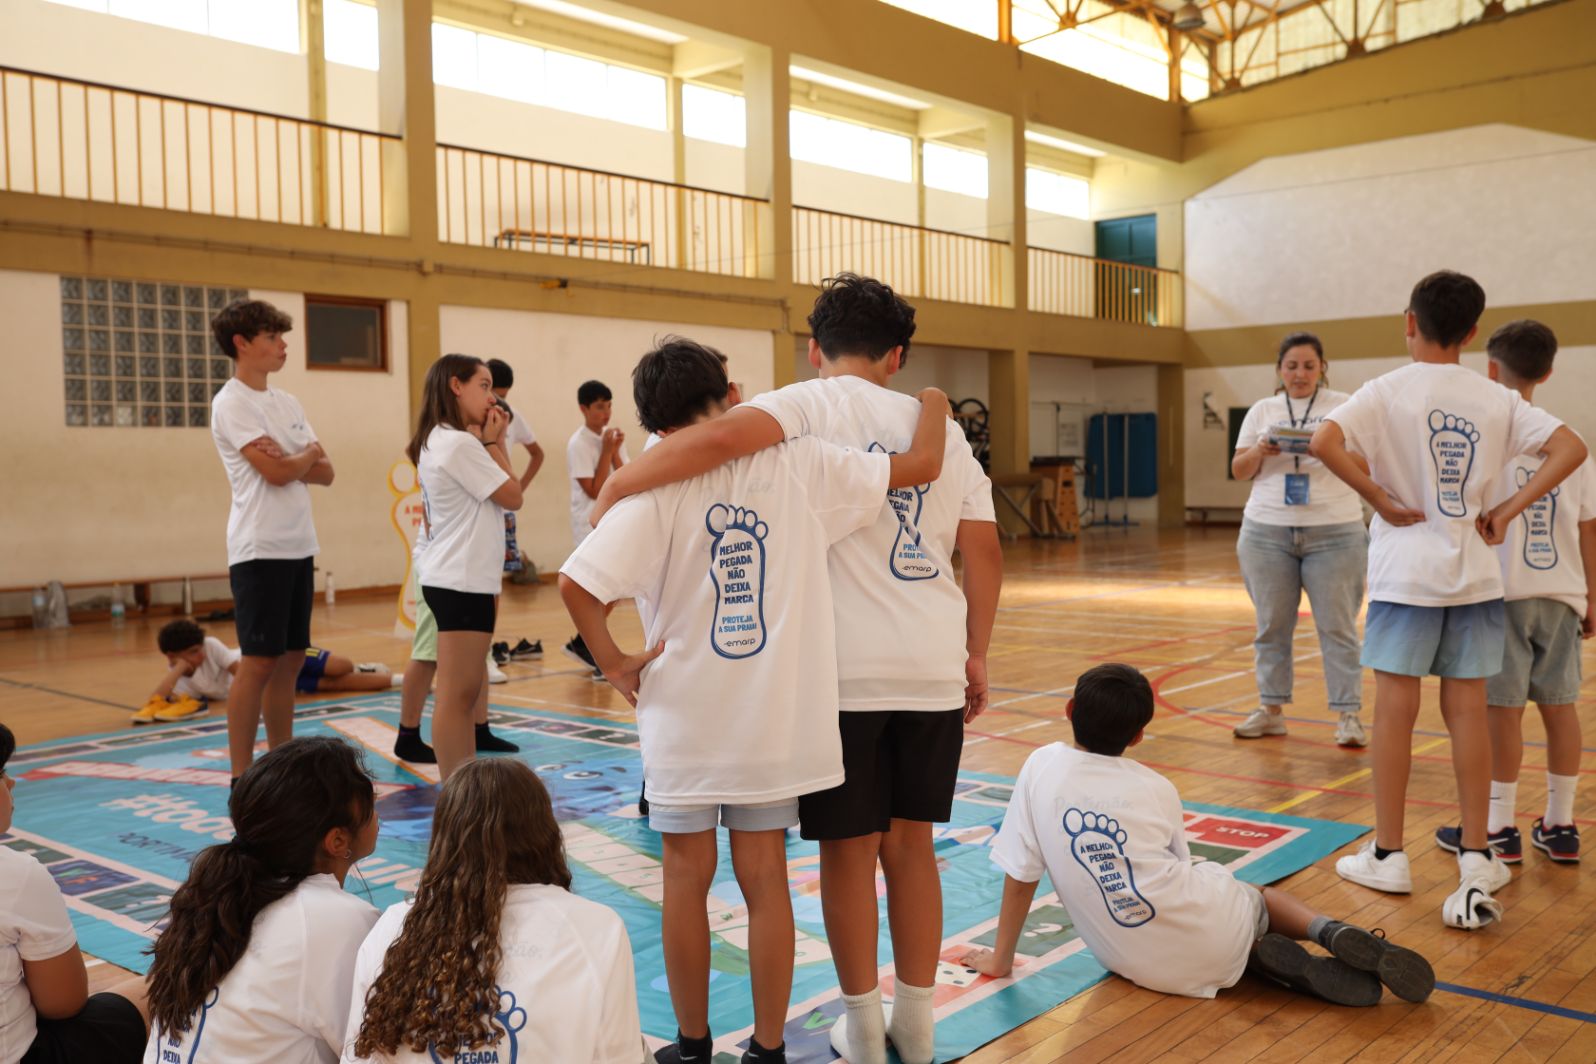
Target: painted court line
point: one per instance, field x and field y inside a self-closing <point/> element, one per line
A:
<point x="1518" y="1002"/>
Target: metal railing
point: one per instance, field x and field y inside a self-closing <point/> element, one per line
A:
<point x="1084" y="287"/>
<point x="505" y="201"/>
<point x="914" y="260"/>
<point x="84" y="140"/>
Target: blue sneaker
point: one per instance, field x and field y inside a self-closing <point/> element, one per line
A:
<point x="1508" y="843"/>
<point x="1559" y="843"/>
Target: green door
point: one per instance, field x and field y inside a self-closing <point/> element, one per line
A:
<point x="1127" y="295"/>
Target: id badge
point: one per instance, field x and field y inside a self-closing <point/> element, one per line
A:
<point x="1296" y="489"/>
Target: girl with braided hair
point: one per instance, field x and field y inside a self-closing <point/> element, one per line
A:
<point x="495" y="959"/>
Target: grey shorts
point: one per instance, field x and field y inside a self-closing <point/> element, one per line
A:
<point x="1540" y="660"/>
<point x="691" y="819"/>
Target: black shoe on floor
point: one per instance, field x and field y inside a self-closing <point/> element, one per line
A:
<point x="1404" y="972"/>
<point x="501" y="653"/>
<point x="1326" y="978"/>
<point x="524" y="651"/>
<point x="577" y="650"/>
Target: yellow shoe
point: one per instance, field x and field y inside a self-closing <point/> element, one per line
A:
<point x="146" y="715"/>
<point x="182" y="709"/>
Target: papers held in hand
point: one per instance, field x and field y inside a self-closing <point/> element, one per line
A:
<point x="1290" y="440"/>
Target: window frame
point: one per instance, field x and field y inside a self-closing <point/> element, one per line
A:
<point x="380" y="305"/>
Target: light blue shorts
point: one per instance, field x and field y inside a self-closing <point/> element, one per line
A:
<point x="1455" y="642"/>
<point x="691" y="819"/>
<point x="1541" y="661"/>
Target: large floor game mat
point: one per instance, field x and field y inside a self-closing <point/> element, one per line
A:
<point x="116" y="818"/>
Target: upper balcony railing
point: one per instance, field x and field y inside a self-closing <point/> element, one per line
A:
<point x="914" y="260"/>
<point x="503" y="201"/>
<point x="83" y="140"/>
<point x="1084" y="287"/>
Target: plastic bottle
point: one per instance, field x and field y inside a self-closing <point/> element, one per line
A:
<point x="118" y="610"/>
<point x="332" y="593"/>
<point x="41" y="609"/>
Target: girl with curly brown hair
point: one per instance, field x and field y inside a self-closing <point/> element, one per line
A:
<point x="495" y="958"/>
<point x="256" y="962"/>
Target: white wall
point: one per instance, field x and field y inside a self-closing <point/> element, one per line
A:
<point x="118" y="503"/>
<point x="1567" y="395"/>
<point x="552" y="355"/>
<point x="1345" y="233"/>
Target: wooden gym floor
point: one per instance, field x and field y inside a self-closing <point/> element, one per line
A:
<point x="1171" y="603"/>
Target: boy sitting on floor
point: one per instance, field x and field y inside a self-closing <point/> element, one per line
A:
<point x="1109" y="833"/>
<point x="201" y="669"/>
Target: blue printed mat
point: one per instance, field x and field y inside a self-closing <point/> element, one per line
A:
<point x="117" y="818"/>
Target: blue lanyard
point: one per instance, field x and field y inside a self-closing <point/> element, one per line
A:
<point x="1291" y="415"/>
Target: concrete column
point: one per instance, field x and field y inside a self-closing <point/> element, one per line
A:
<point x="313" y="38"/>
<point x="1171" y="446"/>
<point x="767" y="175"/>
<point x="1005" y="202"/>
<point x="1009" y="394"/>
<point x="406" y="106"/>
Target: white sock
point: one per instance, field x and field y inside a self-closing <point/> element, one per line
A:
<point x="912" y="1031"/>
<point x="1503" y="797"/>
<point x="865" y="1029"/>
<point x="1559" y="800"/>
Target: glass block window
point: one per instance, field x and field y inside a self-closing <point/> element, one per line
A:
<point x="140" y="353"/>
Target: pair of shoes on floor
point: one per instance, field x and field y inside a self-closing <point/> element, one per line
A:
<point x="504" y="653"/>
<point x="1469" y="908"/>
<point x="160" y="710"/>
<point x="1261" y="723"/>
<point x="577" y="651"/>
<point x="1559" y="843"/>
<point x="1360" y="964"/>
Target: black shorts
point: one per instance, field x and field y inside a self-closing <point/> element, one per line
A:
<point x="271" y="604"/>
<point x="899" y="763"/>
<point x="461" y="611"/>
<point x="108" y="1030"/>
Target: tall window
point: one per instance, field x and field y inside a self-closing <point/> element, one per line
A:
<point x="848" y="146"/>
<point x="268" y="23"/>
<point x="350" y="33"/>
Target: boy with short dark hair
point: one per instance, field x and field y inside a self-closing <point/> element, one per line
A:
<point x="1434" y="434"/>
<point x="592" y="453"/>
<point x="271" y="454"/>
<point x="911" y="651"/>
<point x="518" y="431"/>
<point x="739" y="716"/>
<point x="201" y="669"/>
<point x="1549" y="577"/>
<point x="1110" y="834"/>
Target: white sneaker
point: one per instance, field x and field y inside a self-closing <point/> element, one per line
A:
<point x="496" y="674"/>
<point x="1349" y="732"/>
<point x="1391" y="875"/>
<point x="1471" y="906"/>
<point x="371" y="666"/>
<point x="1261" y="722"/>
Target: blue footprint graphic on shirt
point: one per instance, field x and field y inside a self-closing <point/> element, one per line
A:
<point x="737" y="569"/>
<point x="509" y="1018"/>
<point x="173" y="1043"/>
<point x="908" y="560"/>
<point x="1452" y="444"/>
<point x="1540" y="547"/>
<point x="1098" y="843"/>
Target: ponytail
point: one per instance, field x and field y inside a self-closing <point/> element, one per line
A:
<point x="282" y="807"/>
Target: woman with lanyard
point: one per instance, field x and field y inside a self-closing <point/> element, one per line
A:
<point x="1302" y="531"/>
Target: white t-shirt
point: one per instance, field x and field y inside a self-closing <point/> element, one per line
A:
<point x="465" y="537"/>
<point x="1108" y="832"/>
<point x="518" y="433"/>
<point x="212" y="679"/>
<point x="742" y="705"/>
<point x="33" y="927"/>
<point x="1330" y="501"/>
<point x="1540" y="556"/>
<point x="900" y="613"/>
<point x="265" y="521"/>
<point x="566" y="990"/>
<point x="651" y="440"/>
<point x="287" y="998"/>
<point x="581" y="459"/>
<point x="1434" y="436"/>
